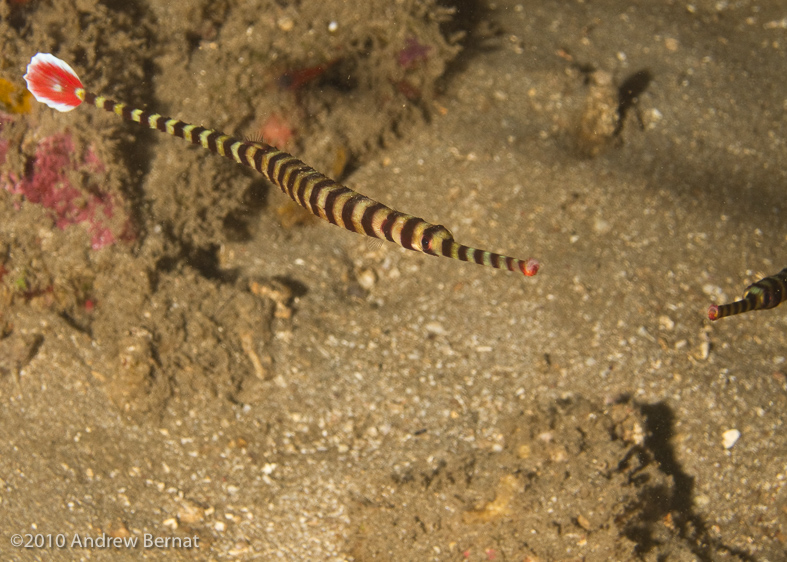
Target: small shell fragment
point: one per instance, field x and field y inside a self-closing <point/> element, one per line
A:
<point x="730" y="437"/>
<point x="366" y="279"/>
<point x="285" y="23"/>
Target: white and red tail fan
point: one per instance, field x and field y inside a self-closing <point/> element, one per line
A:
<point x="53" y="82"/>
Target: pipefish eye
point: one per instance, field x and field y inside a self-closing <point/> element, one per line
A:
<point x="433" y="238"/>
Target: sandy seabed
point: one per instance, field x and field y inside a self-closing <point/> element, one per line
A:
<point x="184" y="355"/>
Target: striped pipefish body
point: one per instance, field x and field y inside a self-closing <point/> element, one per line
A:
<point x="762" y="295"/>
<point x="53" y="82"/>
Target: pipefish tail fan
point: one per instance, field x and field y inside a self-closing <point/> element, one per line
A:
<point x="762" y="295"/>
<point x="54" y="82"/>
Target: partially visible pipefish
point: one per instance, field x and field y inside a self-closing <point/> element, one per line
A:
<point x="53" y="82"/>
<point x="765" y="293"/>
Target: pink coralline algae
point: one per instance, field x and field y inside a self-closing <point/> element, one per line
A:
<point x="413" y="53"/>
<point x="47" y="182"/>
